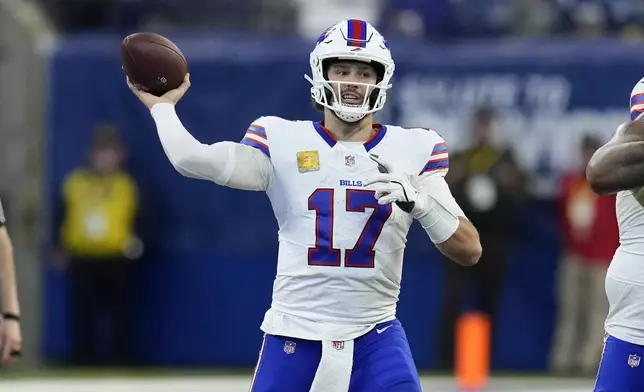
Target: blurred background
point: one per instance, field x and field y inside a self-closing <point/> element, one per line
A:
<point x="179" y="272"/>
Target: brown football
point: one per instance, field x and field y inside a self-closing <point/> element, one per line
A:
<point x="153" y="63"/>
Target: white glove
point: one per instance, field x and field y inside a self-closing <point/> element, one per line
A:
<point x="395" y="186"/>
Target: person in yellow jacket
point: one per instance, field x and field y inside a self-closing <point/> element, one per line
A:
<point x="97" y="242"/>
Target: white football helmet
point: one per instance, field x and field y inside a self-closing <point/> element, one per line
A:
<point x="637" y="100"/>
<point x="351" y="40"/>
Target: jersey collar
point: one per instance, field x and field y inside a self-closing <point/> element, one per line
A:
<point x="328" y="137"/>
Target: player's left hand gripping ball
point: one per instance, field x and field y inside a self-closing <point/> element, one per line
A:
<point x="396" y="186"/>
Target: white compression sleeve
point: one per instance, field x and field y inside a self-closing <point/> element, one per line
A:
<point x="440" y="219"/>
<point x="225" y="163"/>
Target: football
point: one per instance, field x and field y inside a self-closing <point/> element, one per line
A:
<point x="153" y="63"/>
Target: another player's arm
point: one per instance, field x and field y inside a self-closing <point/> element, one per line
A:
<point x="8" y="285"/>
<point x="619" y="164"/>
<point x="10" y="334"/>
<point x="226" y="163"/>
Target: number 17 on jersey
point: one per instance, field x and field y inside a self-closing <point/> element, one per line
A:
<point x="362" y="255"/>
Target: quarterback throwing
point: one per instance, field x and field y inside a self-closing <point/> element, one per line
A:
<point x="344" y="192"/>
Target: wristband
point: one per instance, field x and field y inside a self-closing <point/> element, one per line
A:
<point x="439" y="222"/>
<point x="11" y="316"/>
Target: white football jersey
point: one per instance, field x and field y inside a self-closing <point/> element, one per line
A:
<point x="628" y="262"/>
<point x="340" y="252"/>
<point x="625" y="276"/>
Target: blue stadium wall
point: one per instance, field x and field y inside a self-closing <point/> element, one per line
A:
<point x="205" y="281"/>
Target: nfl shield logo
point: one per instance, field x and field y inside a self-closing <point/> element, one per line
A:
<point x="634" y="360"/>
<point x="338" y="345"/>
<point x="289" y="347"/>
<point x="349" y="160"/>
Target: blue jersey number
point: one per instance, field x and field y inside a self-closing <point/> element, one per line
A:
<point x="362" y="255"/>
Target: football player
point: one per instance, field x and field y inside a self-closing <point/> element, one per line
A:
<point x="618" y="167"/>
<point x="344" y="192"/>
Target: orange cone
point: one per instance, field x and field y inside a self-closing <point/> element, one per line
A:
<point x="472" y="350"/>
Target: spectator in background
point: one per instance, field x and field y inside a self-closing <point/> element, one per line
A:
<point x="313" y="17"/>
<point x="628" y="17"/>
<point x="590" y="237"/>
<point x="418" y="19"/>
<point x="97" y="242"/>
<point x="489" y="187"/>
<point x="532" y="18"/>
<point x="256" y="16"/>
<point x="590" y="20"/>
<point x="90" y="15"/>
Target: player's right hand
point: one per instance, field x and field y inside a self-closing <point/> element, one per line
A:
<point x="171" y="97"/>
